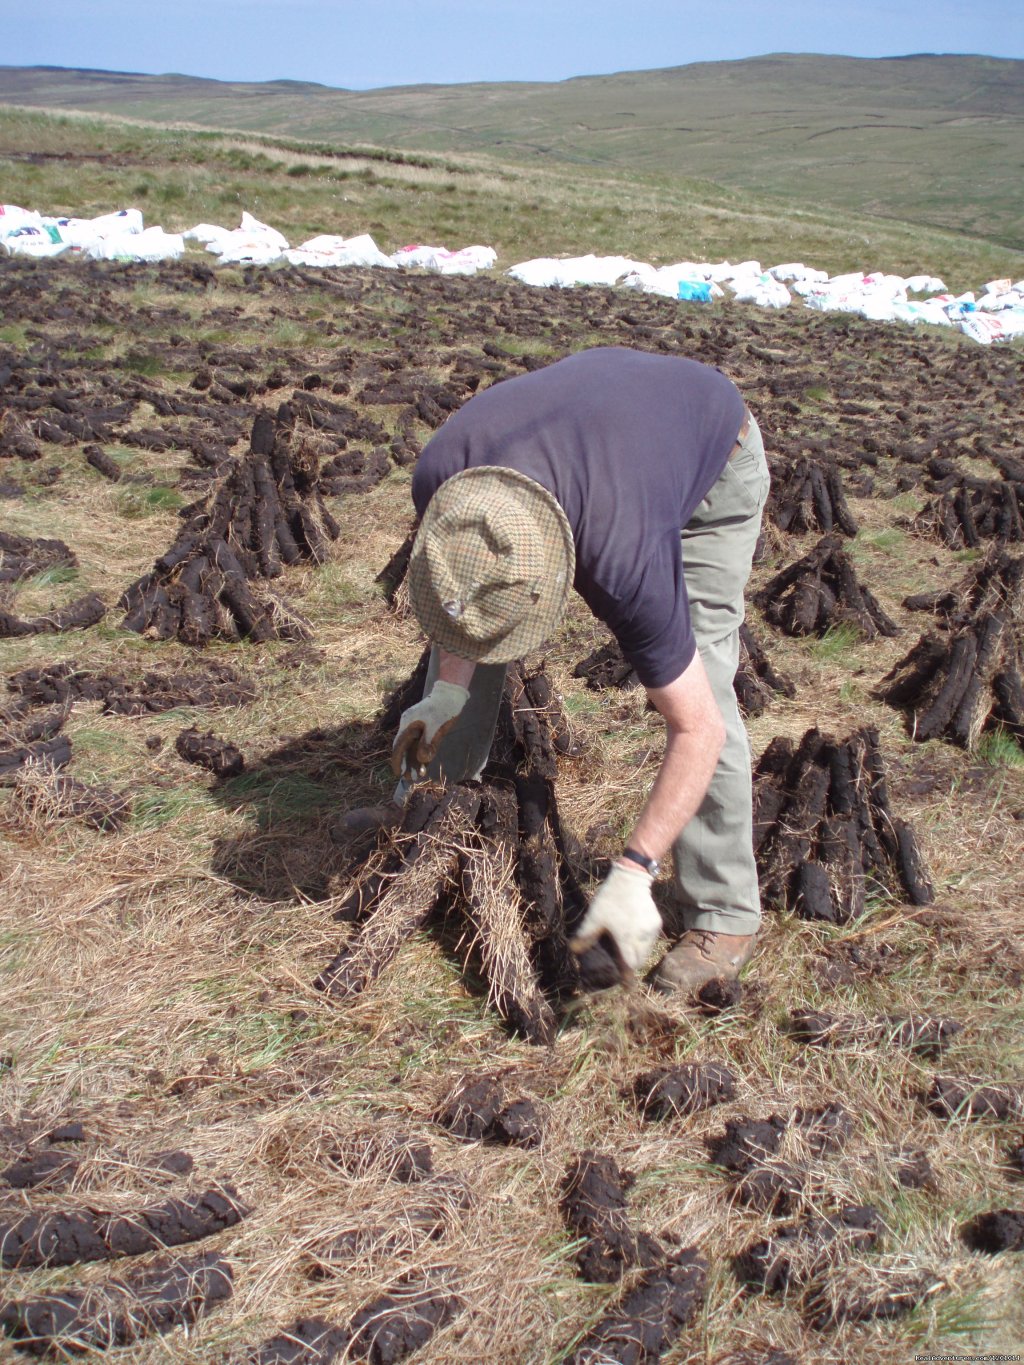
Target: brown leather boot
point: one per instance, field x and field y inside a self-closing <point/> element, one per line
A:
<point x="700" y="956"/>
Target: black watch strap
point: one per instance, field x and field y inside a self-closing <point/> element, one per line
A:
<point x="650" y="865"/>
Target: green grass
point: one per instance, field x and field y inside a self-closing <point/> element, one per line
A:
<point x="142" y="362"/>
<point x="955" y="1315"/>
<point x="14" y="334"/>
<point x="278" y="796"/>
<point x="888" y="539"/>
<point x="155" y="807"/>
<point x="134" y="503"/>
<point x="836" y="644"/>
<point x="1000" y="749"/>
<point x="60" y="573"/>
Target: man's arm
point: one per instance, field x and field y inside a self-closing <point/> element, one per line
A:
<point x="452" y="669"/>
<point x="422" y="727"/>
<point x="696" y="735"/>
<point x="623" y="906"/>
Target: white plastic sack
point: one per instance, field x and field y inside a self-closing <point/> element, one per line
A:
<point x="719" y="272"/>
<point x="745" y="270"/>
<point x="32" y="242"/>
<point x="764" y="291"/>
<point x="795" y="272"/>
<point x="206" y="233"/>
<point x="961" y="305"/>
<point x="253" y="243"/>
<point x="877" y="305"/>
<point x="666" y="279"/>
<point x="244" y="251"/>
<point x="467" y="261"/>
<point x="809" y="286"/>
<point x="83" y="232"/>
<point x="843" y="283"/>
<point x="925" y="284"/>
<point x="545" y="270"/>
<point x="264" y="231"/>
<point x="921" y="310"/>
<point x="985" y="328"/>
<point x="825" y="299"/>
<point x="153" y="244"/>
<point x="14" y="219"/>
<point x="995" y="303"/>
<point x="893" y="286"/>
<point x="327" y="250"/>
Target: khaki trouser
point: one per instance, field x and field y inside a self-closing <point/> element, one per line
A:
<point x="714" y="856"/>
<point x="714" y="862"/>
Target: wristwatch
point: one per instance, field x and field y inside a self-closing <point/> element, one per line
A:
<point x="650" y="865"/>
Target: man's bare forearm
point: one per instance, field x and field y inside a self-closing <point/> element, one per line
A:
<point x="679" y="788"/>
<point x="452" y="669"/>
<point x="696" y="734"/>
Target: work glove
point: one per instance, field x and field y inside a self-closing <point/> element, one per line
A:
<point x="422" y="728"/>
<point x="624" y="909"/>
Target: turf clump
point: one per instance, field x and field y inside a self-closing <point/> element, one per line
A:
<point x="676" y="1091"/>
<point x="821" y="590"/>
<point x="800" y="1252"/>
<point x="218" y="756"/>
<point x="593" y="1204"/>
<point x="500" y="846"/>
<point x="118" y="1311"/>
<point x="651" y="1316"/>
<point x="825" y="832"/>
<point x="995" y="1231"/>
<point x="265" y="512"/>
<point x="965" y="1097"/>
<point x="402" y="1320"/>
<point x="63" y="1237"/>
<point x="808" y="496"/>
<point x="478" y="1109"/>
<point x="746" y="1141"/>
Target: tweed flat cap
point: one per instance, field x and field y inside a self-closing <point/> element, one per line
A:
<point x="492" y="565"/>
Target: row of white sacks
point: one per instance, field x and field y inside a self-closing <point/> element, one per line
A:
<point x="997" y="314"/>
<point x="121" y="236"/>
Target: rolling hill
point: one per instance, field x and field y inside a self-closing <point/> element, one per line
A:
<point x="934" y="140"/>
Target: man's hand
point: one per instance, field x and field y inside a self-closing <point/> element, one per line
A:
<point x="624" y="908"/>
<point x="423" y="726"/>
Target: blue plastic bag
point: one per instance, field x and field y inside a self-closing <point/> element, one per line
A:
<point x="694" y="291"/>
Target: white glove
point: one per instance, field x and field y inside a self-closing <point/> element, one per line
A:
<point x="423" y="726"/>
<point x="623" y="907"/>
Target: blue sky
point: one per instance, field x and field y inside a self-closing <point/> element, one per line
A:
<point x="365" y="43"/>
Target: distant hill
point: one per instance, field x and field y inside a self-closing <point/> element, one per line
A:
<point x="937" y="140"/>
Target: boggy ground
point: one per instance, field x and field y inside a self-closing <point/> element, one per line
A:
<point x="157" y="970"/>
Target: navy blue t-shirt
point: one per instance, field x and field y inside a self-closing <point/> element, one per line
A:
<point x="629" y="443"/>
